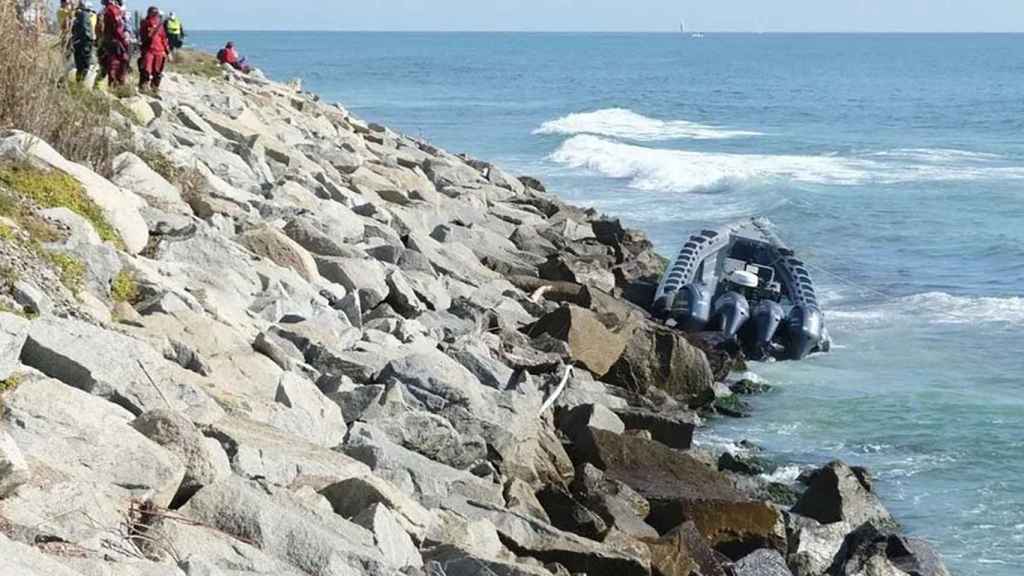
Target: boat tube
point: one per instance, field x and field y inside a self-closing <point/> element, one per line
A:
<point x="743" y="281"/>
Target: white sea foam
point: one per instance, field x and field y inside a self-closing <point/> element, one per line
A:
<point x="628" y="125"/>
<point x="936" y="307"/>
<point x="666" y="170"/>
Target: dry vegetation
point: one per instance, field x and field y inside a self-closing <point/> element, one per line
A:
<point x="36" y="97"/>
<point x="188" y="61"/>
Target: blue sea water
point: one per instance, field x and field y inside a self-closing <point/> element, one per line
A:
<point x="893" y="164"/>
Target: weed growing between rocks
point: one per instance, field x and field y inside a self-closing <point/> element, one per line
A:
<point x="125" y="288"/>
<point x="7" y="385"/>
<point x="70" y="269"/>
<point x="54" y="189"/>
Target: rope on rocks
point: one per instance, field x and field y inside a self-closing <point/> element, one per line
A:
<point x="558" y="391"/>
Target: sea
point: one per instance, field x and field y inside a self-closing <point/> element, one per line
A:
<point x="893" y="164"/>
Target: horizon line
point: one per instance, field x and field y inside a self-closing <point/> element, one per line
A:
<point x="665" y="32"/>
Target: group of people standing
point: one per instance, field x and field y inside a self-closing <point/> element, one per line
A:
<point x="115" y="38"/>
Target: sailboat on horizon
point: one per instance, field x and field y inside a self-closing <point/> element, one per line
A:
<point x="682" y="29"/>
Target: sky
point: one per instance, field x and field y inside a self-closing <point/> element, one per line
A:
<point x="605" y="15"/>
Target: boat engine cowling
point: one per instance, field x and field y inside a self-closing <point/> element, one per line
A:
<point x="766" y="319"/>
<point x="733" y="311"/>
<point x="691" y="307"/>
<point x="806" y="331"/>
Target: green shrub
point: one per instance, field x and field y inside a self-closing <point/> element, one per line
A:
<point x="55" y="189"/>
<point x="70" y="269"/>
<point x="125" y="288"/>
<point x="160" y="164"/>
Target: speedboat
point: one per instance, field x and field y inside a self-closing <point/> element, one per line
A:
<point x="744" y="282"/>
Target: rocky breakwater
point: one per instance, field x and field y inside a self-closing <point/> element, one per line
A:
<point x="311" y="345"/>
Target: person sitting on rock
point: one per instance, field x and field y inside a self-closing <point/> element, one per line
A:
<point x="154" y="48"/>
<point x="228" y="55"/>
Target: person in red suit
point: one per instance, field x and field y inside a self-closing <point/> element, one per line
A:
<point x="155" y="46"/>
<point x="115" y="44"/>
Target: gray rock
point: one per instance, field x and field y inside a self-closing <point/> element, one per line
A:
<point x="813" y="546"/>
<point x="18" y="559"/>
<point x="432" y="436"/>
<point x="13" y="332"/>
<point x="838" y="493"/>
<point x="429" y="482"/>
<point x="14" y="470"/>
<point x="402" y="295"/>
<point x="762" y="563"/>
<point x="533" y="538"/>
<point x="34" y="300"/>
<point x="673" y="429"/>
<point x="132" y="173"/>
<point x="202" y="548"/>
<point x="178" y="435"/>
<point x="576" y="421"/>
<point x="110" y="365"/>
<point x="326" y="235"/>
<point x="520" y="497"/>
<point x="367" y="277"/>
<point x="87" y="438"/>
<point x="260" y="451"/>
<point x="320" y="420"/>
<point x="316" y="544"/>
<point x="350" y="497"/>
<point x="455" y="561"/>
<point x="391" y="539"/>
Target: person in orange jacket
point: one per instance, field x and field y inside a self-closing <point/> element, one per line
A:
<point x="154" y="46"/>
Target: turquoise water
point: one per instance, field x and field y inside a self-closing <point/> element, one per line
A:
<point x="894" y="164"/>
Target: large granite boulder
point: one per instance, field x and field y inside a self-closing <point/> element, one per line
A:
<point x="659" y="356"/>
<point x="274" y="245"/>
<point x="318" y="544"/>
<point x="76" y="435"/>
<point x="839" y="493"/>
<point x="682" y="488"/>
<point x="591" y="344"/>
<point x="683" y="552"/>
<point x="123" y="370"/>
<point x="177" y="434"/>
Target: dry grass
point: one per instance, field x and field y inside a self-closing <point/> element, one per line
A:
<point x="187" y="61"/>
<point x="35" y="96"/>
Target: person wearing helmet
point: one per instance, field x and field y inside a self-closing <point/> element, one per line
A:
<point x="83" y="36"/>
<point x="154" y="47"/>
<point x="175" y="32"/>
<point x="114" y="44"/>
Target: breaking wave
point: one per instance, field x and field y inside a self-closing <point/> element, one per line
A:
<point x="656" y="169"/>
<point x="937" y="307"/>
<point x="628" y="125"/>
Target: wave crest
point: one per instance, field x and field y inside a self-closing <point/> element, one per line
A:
<point x="628" y="125"/>
<point x="657" y="169"/>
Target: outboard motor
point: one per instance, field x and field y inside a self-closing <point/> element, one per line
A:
<point x="767" y="317"/>
<point x="691" y="307"/>
<point x="806" y="331"/>
<point x="733" y="310"/>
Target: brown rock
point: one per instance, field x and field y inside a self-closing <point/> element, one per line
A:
<point x="659" y="356"/>
<point x="681" y="488"/>
<point x="683" y="552"/>
<point x="272" y="244"/>
<point x="595" y="347"/>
